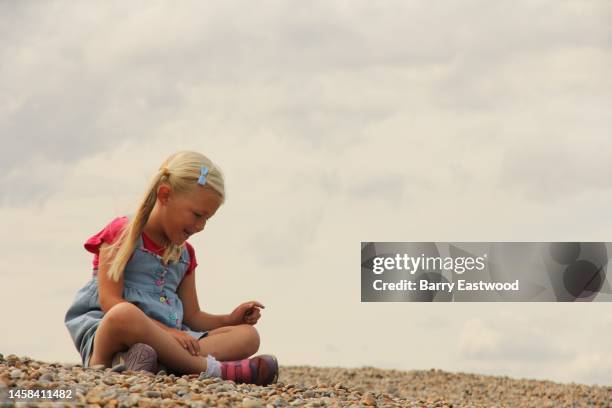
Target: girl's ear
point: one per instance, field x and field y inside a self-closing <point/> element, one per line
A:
<point x="163" y="193"/>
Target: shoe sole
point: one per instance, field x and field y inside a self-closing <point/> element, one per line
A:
<point x="274" y="361"/>
<point x="275" y="370"/>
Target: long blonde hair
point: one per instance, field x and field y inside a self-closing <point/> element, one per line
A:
<point x="181" y="172"/>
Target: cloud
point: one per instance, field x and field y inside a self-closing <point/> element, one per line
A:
<point x="508" y="341"/>
<point x="385" y="187"/>
<point x="35" y="180"/>
<point x="550" y="171"/>
<point x="286" y="240"/>
<point x="592" y="367"/>
<point x="79" y="80"/>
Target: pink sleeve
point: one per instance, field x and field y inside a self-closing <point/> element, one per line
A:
<point x="193" y="263"/>
<point x="108" y="235"/>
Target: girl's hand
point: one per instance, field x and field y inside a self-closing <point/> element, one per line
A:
<point x="247" y="312"/>
<point x="186" y="341"/>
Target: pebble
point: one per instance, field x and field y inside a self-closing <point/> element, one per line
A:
<point x="252" y="403"/>
<point x="152" y="394"/>
<point x="368" y="399"/>
<point x="46" y="377"/>
<point x="12" y="360"/>
<point x="16" y="374"/>
<point x="137" y="388"/>
<point x="299" y="386"/>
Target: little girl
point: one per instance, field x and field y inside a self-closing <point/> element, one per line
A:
<point x="141" y="306"/>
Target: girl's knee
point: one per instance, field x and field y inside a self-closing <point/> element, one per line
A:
<point x="124" y="315"/>
<point x="251" y="337"/>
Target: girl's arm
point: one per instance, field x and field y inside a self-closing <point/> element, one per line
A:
<point x="111" y="292"/>
<point x="192" y="315"/>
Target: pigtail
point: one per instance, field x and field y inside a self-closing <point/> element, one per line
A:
<point x="126" y="243"/>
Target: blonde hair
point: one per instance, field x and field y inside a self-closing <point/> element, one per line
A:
<point x="180" y="171"/>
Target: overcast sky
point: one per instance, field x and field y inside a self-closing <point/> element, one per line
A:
<point x="335" y="122"/>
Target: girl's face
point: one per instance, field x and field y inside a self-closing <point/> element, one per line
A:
<point x="182" y="215"/>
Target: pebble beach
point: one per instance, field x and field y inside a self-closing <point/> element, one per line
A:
<point x="298" y="386"/>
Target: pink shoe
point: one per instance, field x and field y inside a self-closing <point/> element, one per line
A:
<point x="259" y="370"/>
<point x="139" y="357"/>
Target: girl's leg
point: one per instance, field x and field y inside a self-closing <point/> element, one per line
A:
<point x="230" y="342"/>
<point x="125" y="324"/>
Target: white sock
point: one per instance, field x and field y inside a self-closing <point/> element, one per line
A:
<point x="213" y="367"/>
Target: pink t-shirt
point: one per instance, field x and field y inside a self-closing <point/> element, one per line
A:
<point x="112" y="231"/>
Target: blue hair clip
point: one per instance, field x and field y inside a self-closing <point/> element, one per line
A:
<point x="203" y="173"/>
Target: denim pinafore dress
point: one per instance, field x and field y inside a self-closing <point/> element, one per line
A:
<point x="148" y="284"/>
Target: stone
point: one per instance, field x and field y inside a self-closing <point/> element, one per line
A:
<point x="109" y="381"/>
<point x="252" y="403"/>
<point x="16" y="374"/>
<point x="309" y="394"/>
<point x="46" y="377"/>
<point x="368" y="399"/>
<point x="152" y="394"/>
<point x="137" y="388"/>
<point x="109" y="394"/>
